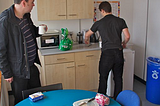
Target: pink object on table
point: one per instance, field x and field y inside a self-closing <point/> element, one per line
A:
<point x="102" y="99"/>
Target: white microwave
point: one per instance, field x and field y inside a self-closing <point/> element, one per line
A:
<point x="49" y="40"/>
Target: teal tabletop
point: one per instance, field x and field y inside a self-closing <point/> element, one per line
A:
<point x="63" y="98"/>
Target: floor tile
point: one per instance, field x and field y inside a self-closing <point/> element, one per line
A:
<point x="140" y="89"/>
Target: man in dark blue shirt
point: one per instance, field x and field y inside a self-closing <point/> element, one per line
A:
<point x="110" y="29"/>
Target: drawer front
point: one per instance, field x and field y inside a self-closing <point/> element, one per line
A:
<point x="60" y="58"/>
<point x="93" y="55"/>
<point x="89" y="55"/>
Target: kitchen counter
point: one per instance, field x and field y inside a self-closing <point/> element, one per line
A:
<point x="75" y="69"/>
<point x="75" y="48"/>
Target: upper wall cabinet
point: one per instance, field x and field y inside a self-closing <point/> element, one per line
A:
<point x="51" y="9"/>
<point x="65" y="9"/>
<point x="80" y="9"/>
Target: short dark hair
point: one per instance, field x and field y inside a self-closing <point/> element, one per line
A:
<point x="19" y="1"/>
<point x="106" y="6"/>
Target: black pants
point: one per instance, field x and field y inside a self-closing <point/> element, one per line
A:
<point x="111" y="59"/>
<point x="19" y="84"/>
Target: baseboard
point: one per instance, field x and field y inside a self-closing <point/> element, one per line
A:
<point x="140" y="79"/>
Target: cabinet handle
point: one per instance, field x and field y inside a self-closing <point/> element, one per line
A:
<point x="81" y="65"/>
<point x="72" y="14"/>
<point x="70" y="67"/>
<point x="61" y="59"/>
<point x="61" y="15"/>
<point x="90" y="56"/>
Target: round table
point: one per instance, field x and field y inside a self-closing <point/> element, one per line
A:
<point x="63" y="98"/>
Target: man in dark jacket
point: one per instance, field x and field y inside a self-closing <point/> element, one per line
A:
<point x="18" y="48"/>
<point x="110" y="28"/>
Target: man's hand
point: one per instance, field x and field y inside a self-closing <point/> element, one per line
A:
<point x="87" y="36"/>
<point x="9" y="80"/>
<point x="123" y="44"/>
<point x="86" y="41"/>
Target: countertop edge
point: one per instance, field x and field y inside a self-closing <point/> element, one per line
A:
<point x="76" y="48"/>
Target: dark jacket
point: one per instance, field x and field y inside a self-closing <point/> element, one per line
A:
<point x="13" y="51"/>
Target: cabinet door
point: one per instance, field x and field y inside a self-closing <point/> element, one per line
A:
<point x="87" y="75"/>
<point x="86" y="9"/>
<point x="93" y="66"/>
<point x="61" y="73"/>
<point x="51" y="9"/>
<point x="82" y="75"/>
<point x="80" y="9"/>
<point x="72" y="9"/>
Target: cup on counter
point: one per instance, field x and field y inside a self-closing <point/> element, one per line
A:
<point x="42" y="29"/>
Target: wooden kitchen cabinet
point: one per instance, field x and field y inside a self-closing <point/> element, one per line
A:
<point x="61" y="73"/>
<point x="65" y="9"/>
<point x="82" y="75"/>
<point x="87" y="76"/>
<point x="80" y="9"/>
<point x="58" y="68"/>
<point x="77" y="70"/>
<point x="51" y="9"/>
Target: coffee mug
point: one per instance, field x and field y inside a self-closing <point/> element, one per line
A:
<point x="42" y="29"/>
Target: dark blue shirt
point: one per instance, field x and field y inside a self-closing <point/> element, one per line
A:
<point x="31" y="45"/>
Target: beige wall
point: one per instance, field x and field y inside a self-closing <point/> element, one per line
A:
<point x="4" y="4"/>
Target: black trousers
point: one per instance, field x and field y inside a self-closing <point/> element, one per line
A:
<point x="111" y="59"/>
<point x="19" y="84"/>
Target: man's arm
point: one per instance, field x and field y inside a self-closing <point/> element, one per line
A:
<point x="87" y="36"/>
<point x="4" y="64"/>
<point x="126" y="37"/>
<point x="35" y="28"/>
